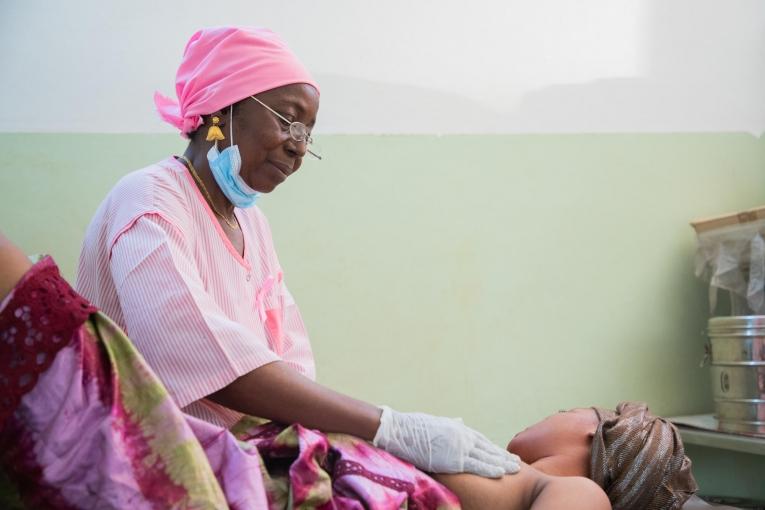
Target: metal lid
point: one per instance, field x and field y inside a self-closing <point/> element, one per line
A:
<point x="736" y="323"/>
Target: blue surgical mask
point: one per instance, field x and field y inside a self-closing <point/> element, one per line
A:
<point x="226" y="166"/>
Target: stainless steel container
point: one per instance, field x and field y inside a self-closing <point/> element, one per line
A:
<point x="737" y="352"/>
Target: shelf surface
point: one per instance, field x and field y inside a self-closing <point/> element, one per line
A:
<point x="701" y="429"/>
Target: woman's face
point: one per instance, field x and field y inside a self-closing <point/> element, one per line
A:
<point x="269" y="154"/>
<point x="565" y="435"/>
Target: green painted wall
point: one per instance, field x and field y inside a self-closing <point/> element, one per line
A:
<point x="729" y="474"/>
<point x="498" y="278"/>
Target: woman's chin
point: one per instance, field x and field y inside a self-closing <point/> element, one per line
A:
<point x="264" y="186"/>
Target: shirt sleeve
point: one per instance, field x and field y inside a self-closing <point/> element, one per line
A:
<point x="192" y="345"/>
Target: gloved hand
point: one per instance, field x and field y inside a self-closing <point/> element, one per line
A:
<point x="442" y="445"/>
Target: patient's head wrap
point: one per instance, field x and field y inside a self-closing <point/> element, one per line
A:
<point x="639" y="460"/>
<point x="224" y="65"/>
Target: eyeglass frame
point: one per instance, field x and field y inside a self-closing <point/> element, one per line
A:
<point x="290" y="124"/>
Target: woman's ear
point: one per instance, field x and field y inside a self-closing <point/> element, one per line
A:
<point x="221" y="115"/>
<point x="200" y="135"/>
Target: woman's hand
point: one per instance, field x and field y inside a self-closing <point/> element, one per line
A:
<point x="442" y="445"/>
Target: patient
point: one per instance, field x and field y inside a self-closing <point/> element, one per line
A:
<point x="637" y="458"/>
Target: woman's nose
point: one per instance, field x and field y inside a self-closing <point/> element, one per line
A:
<point x="296" y="149"/>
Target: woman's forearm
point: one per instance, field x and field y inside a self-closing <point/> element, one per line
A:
<point x="277" y="392"/>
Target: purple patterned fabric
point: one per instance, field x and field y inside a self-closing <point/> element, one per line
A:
<point x="309" y="469"/>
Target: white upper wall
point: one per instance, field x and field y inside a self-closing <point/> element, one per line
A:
<point x="403" y="66"/>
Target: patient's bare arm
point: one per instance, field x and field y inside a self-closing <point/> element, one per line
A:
<point x="13" y="265"/>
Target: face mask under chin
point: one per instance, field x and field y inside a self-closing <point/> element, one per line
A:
<point x="226" y="166"/>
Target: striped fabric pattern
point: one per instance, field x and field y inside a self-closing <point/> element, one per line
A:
<point x="156" y="260"/>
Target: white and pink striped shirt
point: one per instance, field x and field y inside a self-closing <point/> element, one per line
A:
<point x="156" y="260"/>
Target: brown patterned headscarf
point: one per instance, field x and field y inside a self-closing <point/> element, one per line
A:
<point x="639" y="460"/>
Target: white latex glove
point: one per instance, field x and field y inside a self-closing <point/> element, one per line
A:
<point x="442" y="445"/>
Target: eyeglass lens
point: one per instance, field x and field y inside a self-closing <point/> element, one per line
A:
<point x="299" y="132"/>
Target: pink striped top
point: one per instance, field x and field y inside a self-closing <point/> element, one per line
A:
<point x="156" y="260"/>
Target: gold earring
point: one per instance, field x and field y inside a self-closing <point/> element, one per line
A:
<point x="214" y="133"/>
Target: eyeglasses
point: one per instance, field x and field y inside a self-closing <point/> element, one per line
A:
<point x="298" y="131"/>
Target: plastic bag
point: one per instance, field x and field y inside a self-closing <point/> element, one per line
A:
<point x="733" y="258"/>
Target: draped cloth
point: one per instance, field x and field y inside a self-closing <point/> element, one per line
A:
<point x="85" y="423"/>
<point x="639" y="460"/>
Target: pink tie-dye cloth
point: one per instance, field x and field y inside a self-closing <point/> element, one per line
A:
<point x="85" y="423"/>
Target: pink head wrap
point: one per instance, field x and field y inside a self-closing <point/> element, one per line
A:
<point x="224" y="65"/>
